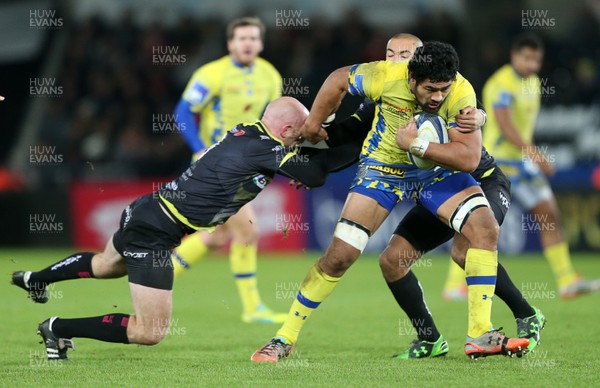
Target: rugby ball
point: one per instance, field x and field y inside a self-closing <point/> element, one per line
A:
<point x="432" y="128"/>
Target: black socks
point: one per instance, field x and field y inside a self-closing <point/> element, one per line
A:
<point x="107" y="328"/>
<point x="409" y="295"/>
<point x="78" y="265"/>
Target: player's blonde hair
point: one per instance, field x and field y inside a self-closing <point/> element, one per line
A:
<point x="243" y="22"/>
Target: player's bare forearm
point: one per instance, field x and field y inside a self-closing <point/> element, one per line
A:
<point x="463" y="153"/>
<point x="510" y="133"/>
<point x="326" y="102"/>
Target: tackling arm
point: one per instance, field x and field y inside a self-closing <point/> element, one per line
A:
<point x="317" y="163"/>
<point x="326" y="102"/>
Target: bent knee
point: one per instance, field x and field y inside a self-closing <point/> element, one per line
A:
<point x="338" y="258"/>
<point x="482" y="228"/>
<point x="459" y="256"/>
<point x="153" y="336"/>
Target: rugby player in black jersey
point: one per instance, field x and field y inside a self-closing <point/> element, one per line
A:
<point x="227" y="176"/>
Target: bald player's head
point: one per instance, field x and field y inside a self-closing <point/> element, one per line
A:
<point x="284" y="117"/>
<point x="401" y="47"/>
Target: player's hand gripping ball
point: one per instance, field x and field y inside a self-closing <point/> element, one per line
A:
<point x="430" y="128"/>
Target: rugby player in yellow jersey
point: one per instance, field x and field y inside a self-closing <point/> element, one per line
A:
<point x="235" y="88"/>
<point x="429" y="81"/>
<point x="512" y="98"/>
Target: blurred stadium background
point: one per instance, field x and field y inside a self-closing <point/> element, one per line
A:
<point x="90" y="88"/>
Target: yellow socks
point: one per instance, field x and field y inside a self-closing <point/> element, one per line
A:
<point x="560" y="262"/>
<point x="191" y="251"/>
<point x="455" y="278"/>
<point x="480" y="268"/>
<point x="242" y="259"/>
<point x="314" y="289"/>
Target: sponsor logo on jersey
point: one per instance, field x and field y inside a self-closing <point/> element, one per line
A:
<point x="196" y="94"/>
<point x="265" y="137"/>
<point x="505" y="201"/>
<point x="238" y="132"/>
<point x="135" y="255"/>
<point x="260" y="181"/>
<point x="389" y="170"/>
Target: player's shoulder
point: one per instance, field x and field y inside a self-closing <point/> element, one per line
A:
<point x="266" y="65"/>
<point x="252" y="131"/>
<point x="213" y="68"/>
<point x="504" y="75"/>
<point x="462" y="84"/>
<point x="387" y="69"/>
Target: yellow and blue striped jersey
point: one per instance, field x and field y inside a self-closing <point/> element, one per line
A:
<point x="387" y="83"/>
<point x="507" y="89"/>
<point x="226" y="93"/>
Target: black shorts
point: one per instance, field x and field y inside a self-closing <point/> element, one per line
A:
<point x="146" y="238"/>
<point x="425" y="231"/>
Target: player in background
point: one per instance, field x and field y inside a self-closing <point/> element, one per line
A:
<point x="420" y="231"/>
<point x="512" y="98"/>
<point x="429" y="81"/>
<point x="226" y="177"/>
<point x="235" y="88"/>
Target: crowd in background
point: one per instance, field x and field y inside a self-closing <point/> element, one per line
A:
<point x="113" y="90"/>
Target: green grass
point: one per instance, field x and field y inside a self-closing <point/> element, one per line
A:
<point x="347" y="342"/>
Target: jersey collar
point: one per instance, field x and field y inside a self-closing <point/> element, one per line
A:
<point x="263" y="128"/>
<point x="247" y="69"/>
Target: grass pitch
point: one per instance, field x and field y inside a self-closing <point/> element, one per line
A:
<point x="347" y="342"/>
